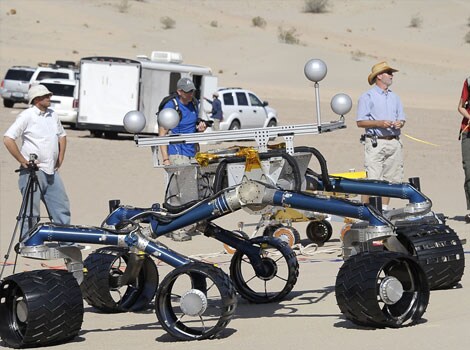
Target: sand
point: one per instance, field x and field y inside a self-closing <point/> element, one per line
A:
<point x="350" y="37"/>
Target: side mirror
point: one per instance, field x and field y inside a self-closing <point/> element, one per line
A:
<point x="265" y="103"/>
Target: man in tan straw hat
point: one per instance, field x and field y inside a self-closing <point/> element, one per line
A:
<point x="380" y="112"/>
<point x="41" y="134"/>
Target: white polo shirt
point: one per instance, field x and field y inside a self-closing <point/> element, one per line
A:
<point x="39" y="133"/>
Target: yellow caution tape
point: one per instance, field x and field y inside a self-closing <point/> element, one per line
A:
<point x="422" y="141"/>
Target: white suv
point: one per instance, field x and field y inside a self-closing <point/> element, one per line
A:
<point x="15" y="85"/>
<point x="64" y="99"/>
<point x="243" y="109"/>
<point x="53" y="72"/>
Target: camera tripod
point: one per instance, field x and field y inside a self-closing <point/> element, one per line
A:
<point x="26" y="213"/>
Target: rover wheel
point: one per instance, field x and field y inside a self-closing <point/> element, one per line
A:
<point x="280" y="275"/>
<point x="195" y="301"/>
<point x="40" y="308"/>
<point x="115" y="283"/>
<point x="382" y="289"/>
<point x="287" y="234"/>
<point x="319" y="231"/>
<point x="439" y="252"/>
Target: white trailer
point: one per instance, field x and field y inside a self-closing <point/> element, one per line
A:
<point x="112" y="86"/>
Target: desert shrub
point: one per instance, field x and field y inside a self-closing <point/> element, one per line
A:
<point x="468" y="22"/>
<point x="123" y="6"/>
<point x="467" y="38"/>
<point x="416" y="21"/>
<point x="258" y="22"/>
<point x="288" y="36"/>
<point x="315" y="6"/>
<point x="357" y="55"/>
<point x="167" y="22"/>
<point x="214" y="24"/>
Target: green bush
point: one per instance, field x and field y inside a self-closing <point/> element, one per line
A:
<point x="167" y="22"/>
<point x="259" y="22"/>
<point x="288" y="36"/>
<point x="315" y="6"/>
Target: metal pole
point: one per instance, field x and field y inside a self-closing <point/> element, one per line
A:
<point x="317" y="101"/>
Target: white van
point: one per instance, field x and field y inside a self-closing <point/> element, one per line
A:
<point x="112" y="86"/>
<point x="64" y="100"/>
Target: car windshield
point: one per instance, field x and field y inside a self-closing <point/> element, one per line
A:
<point x="52" y="75"/>
<point x="18" y="74"/>
<point x="60" y="89"/>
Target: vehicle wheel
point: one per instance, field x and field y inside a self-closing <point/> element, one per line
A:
<point x="235" y="125"/>
<point x="110" y="135"/>
<point x="287" y="234"/>
<point x="271" y="123"/>
<point x="278" y="279"/>
<point x="195" y="301"/>
<point x="319" y="231"/>
<point x="40" y="308"/>
<point x="8" y="103"/>
<point x="96" y="133"/>
<point x="103" y="286"/>
<point x="439" y="252"/>
<point x="231" y="250"/>
<point x="382" y="289"/>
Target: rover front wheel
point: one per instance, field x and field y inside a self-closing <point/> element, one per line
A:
<point x="40" y="308"/>
<point x="280" y="270"/>
<point x="195" y="301"/>
<point x="382" y="289"/>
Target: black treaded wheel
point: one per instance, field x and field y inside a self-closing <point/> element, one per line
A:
<point x="8" y="103"/>
<point x="287" y="234"/>
<point x="40" y="308"/>
<point x="104" y="289"/>
<point x="319" y="231"/>
<point x="382" y="289"/>
<point x="195" y="301"/>
<point x="282" y="270"/>
<point x="438" y="250"/>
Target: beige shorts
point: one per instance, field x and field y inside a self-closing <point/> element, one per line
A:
<point x="384" y="162"/>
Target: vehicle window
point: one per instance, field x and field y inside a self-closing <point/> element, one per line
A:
<point x="228" y="99"/>
<point x="174" y="77"/>
<point x="241" y="98"/>
<point x="15" y="74"/>
<point x="60" y="89"/>
<point x="255" y="100"/>
<point x="52" y="75"/>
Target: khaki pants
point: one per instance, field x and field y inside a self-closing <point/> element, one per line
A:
<point x="216" y="124"/>
<point x="384" y="162"/>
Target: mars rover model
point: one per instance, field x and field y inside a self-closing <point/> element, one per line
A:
<point x="383" y="281"/>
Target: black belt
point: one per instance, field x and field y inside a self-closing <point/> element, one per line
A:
<point x="391" y="137"/>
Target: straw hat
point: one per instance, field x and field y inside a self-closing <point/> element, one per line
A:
<point x="379" y="68"/>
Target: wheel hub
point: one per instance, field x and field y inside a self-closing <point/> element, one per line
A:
<point x="269" y="270"/>
<point x="285" y="235"/>
<point x="391" y="290"/>
<point x="193" y="302"/>
<point x="21" y="311"/>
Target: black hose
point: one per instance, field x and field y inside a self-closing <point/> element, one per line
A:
<point x="221" y="168"/>
<point x="324" y="168"/>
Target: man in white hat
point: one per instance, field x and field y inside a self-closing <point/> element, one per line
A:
<point x="380" y="112"/>
<point x="41" y="134"/>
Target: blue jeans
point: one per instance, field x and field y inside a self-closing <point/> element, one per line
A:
<point x="55" y="198"/>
